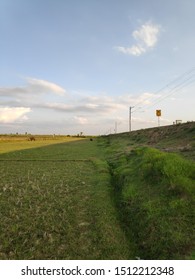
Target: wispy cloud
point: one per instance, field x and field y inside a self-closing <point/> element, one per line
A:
<point x="34" y="86"/>
<point x="96" y="105"/>
<point x="43" y="86"/>
<point x="146" y="37"/>
<point x="144" y="99"/>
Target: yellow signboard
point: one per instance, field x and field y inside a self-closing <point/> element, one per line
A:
<point x="158" y="113"/>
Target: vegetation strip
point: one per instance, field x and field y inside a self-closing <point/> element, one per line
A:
<point x="49" y="160"/>
<point x="154" y="190"/>
<point x="156" y="193"/>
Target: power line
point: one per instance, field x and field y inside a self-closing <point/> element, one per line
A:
<point x="186" y="81"/>
<point x="175" y="90"/>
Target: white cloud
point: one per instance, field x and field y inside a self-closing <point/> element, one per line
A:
<point x="89" y="104"/>
<point x="147" y="34"/>
<point x="10" y="114"/>
<point x="44" y="86"/>
<point x="57" y="106"/>
<point x="81" y="120"/>
<point x="143" y="99"/>
<point x="34" y="86"/>
<point x="146" y="38"/>
<point x="102" y="105"/>
<point x="91" y="110"/>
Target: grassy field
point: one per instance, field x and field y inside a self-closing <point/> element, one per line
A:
<point x="123" y="196"/>
<point x="20" y="142"/>
<point x="55" y="203"/>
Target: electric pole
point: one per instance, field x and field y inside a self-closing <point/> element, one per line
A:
<point x="130" y="112"/>
<point x="115" y="127"/>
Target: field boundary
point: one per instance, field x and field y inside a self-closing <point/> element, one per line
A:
<point x="50" y="160"/>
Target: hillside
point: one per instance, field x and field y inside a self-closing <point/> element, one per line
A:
<point x="173" y="138"/>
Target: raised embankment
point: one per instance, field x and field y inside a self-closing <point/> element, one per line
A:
<point x="153" y="176"/>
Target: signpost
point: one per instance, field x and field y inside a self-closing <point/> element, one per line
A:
<point x="158" y="114"/>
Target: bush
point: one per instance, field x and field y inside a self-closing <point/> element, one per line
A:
<point x="168" y="169"/>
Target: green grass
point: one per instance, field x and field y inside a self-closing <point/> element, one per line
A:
<point x="156" y="198"/>
<point x="55" y="204"/>
<point x="111" y="198"/>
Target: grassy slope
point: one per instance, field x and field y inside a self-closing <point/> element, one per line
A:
<point x="55" y="204"/>
<point x="155" y="190"/>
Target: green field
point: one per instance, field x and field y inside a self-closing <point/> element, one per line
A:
<point x="55" y="203"/>
<point x="116" y="197"/>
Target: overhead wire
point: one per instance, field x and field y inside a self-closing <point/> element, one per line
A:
<point x="172" y="92"/>
<point x="188" y="77"/>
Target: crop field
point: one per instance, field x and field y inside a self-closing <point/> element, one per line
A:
<point x="14" y="143"/>
<point x="123" y="196"/>
<point x="55" y="205"/>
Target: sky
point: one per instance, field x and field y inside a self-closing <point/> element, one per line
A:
<point x="71" y="66"/>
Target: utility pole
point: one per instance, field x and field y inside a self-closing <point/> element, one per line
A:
<point x="115" y="127"/>
<point x="130" y="112"/>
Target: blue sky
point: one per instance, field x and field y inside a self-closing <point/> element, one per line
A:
<point x="71" y="66"/>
